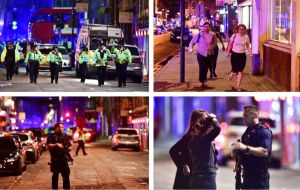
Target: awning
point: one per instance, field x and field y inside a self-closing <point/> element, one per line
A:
<point x="245" y="3"/>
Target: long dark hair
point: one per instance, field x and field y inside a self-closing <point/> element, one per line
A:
<point x="195" y="116"/>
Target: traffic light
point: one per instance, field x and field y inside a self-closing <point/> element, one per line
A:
<point x="14" y="20"/>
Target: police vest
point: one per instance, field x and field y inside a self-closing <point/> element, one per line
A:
<point x="54" y="57"/>
<point x="83" y="57"/>
<point x="101" y="61"/>
<point x="250" y="162"/>
<point x="34" y="56"/>
<point x="123" y="56"/>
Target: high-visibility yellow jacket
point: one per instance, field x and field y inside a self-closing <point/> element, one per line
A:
<point x="122" y="56"/>
<point x="4" y="52"/>
<point x="55" y="57"/>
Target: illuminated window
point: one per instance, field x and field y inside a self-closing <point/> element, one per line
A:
<point x="281" y="20"/>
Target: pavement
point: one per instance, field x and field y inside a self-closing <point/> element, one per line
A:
<point x="165" y="170"/>
<point x="102" y="168"/>
<point x="167" y="79"/>
<point x="67" y="82"/>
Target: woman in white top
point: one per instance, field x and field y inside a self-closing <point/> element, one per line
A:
<point x="240" y="44"/>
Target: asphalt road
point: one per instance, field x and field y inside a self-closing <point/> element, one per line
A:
<point x="165" y="170"/>
<point x="164" y="49"/>
<point x="102" y="168"/>
<point x="67" y="82"/>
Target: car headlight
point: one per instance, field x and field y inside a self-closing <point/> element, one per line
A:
<point x="14" y="158"/>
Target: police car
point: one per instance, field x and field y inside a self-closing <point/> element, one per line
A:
<point x="233" y="129"/>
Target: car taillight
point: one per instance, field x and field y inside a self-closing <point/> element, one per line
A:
<point x="76" y="135"/>
<point x="88" y="134"/>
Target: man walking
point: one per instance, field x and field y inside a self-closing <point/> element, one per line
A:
<point x="100" y="57"/>
<point x="10" y="56"/>
<point x="55" y="59"/>
<point x="33" y="60"/>
<point x="254" y="151"/>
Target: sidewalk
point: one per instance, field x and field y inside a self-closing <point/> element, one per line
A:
<point x="168" y="78"/>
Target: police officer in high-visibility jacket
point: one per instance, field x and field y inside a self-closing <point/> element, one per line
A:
<point x="123" y="57"/>
<point x="10" y="56"/>
<point x="54" y="58"/>
<point x="33" y="60"/>
<point x="83" y="60"/>
<point x="100" y="57"/>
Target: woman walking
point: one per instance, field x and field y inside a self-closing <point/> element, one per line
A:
<point x="239" y="44"/>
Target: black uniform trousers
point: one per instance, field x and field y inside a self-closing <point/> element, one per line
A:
<point x="122" y="73"/>
<point x="204" y="63"/>
<point x="80" y="146"/>
<point x="213" y="65"/>
<point x="61" y="167"/>
<point x="83" y="71"/>
<point x="54" y="71"/>
<point x="10" y="66"/>
<point x="101" y="72"/>
<point x="33" y="70"/>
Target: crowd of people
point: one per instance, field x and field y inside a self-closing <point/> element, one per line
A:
<point x="10" y="57"/>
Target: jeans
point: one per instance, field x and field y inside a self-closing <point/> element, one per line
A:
<point x="203" y="62"/>
<point x="203" y="181"/>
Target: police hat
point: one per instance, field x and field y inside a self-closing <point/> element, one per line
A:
<point x="121" y="42"/>
<point x="101" y="43"/>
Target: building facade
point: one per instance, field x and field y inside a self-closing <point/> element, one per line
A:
<point x="276" y="41"/>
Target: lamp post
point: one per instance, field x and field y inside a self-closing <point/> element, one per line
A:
<point x="182" y="50"/>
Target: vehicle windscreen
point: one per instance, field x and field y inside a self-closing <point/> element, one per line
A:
<point x="7" y="143"/>
<point x="239" y="121"/>
<point x="133" y="50"/>
<point x="63" y="51"/>
<point x="45" y="50"/>
<point x="127" y="132"/>
<point x="23" y="137"/>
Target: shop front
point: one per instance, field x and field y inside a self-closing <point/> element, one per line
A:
<point x="276" y="41"/>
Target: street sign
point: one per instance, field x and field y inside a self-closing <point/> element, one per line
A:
<point x="22" y="115"/>
<point x="125" y="17"/>
<point x="82" y="7"/>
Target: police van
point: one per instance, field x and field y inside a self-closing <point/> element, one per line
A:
<point x="89" y="36"/>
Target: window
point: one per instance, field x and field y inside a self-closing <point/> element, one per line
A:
<point x="281" y="20"/>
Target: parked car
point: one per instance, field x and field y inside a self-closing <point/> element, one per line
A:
<point x="175" y="35"/>
<point x="12" y="156"/>
<point x="30" y="144"/>
<point x="45" y="49"/>
<point x="126" y="138"/>
<point x="41" y="138"/>
<point x="235" y="129"/>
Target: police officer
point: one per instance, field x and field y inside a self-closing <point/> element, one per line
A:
<point x="81" y="143"/>
<point x="33" y="60"/>
<point x="58" y="145"/>
<point x="123" y="57"/>
<point x="10" y="56"/>
<point x="83" y="60"/>
<point x="100" y="57"/>
<point x="254" y="150"/>
<point x="54" y="58"/>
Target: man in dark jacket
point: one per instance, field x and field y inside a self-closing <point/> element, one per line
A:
<point x="58" y="145"/>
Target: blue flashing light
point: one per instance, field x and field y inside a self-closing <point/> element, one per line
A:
<point x="14" y="27"/>
<point x="14" y="23"/>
